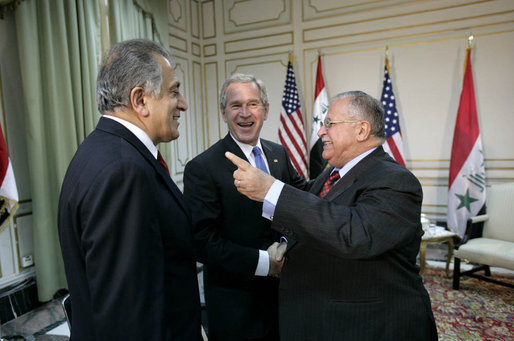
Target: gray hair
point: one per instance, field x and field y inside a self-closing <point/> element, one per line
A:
<point x="127" y="65"/>
<point x="364" y="107"/>
<point x="243" y="78"/>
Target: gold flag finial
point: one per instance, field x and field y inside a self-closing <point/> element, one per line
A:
<point x="470" y="40"/>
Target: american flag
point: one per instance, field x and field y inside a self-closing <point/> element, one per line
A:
<point x="291" y="132"/>
<point x="393" y="144"/>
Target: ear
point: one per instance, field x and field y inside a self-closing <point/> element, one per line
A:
<point x="266" y="110"/>
<point x="224" y="115"/>
<point x="364" y="131"/>
<point x="138" y="101"/>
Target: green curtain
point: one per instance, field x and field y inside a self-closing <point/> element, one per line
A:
<point x="58" y="57"/>
<point x="59" y="47"/>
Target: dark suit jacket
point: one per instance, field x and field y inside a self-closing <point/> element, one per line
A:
<point x="125" y="233"/>
<point x="351" y="274"/>
<point x="229" y="230"/>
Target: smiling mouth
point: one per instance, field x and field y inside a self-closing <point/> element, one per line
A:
<point x="326" y="143"/>
<point x="176" y="117"/>
<point x="245" y="124"/>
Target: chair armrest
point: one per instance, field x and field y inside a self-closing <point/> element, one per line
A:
<point x="478" y="218"/>
<point x="474" y="228"/>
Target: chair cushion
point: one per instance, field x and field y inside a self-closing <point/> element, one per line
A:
<point x="488" y="251"/>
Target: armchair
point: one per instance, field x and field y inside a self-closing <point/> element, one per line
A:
<point x="495" y="245"/>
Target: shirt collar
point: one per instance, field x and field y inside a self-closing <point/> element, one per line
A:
<point x="140" y="133"/>
<point x="349" y="165"/>
<point x="247" y="148"/>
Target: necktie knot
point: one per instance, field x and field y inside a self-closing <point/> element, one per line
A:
<point x="160" y="159"/>
<point x="327" y="186"/>
<point x="259" y="161"/>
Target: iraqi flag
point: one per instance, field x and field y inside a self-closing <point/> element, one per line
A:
<point x="8" y="191"/>
<point x="466" y="187"/>
<point x="316" y="163"/>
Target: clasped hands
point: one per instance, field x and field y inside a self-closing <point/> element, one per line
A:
<point x="249" y="180"/>
<point x="276" y="253"/>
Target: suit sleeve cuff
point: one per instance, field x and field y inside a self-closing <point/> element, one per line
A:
<point x="262" y="264"/>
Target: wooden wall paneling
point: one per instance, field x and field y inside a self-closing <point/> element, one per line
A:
<point x="8" y="261"/>
<point x="258" y="43"/>
<point x="208" y="19"/>
<point x="195" y="18"/>
<point x="239" y="15"/>
<point x="181" y="148"/>
<point x="24" y="240"/>
<point x="177" y="16"/>
<point x="177" y="43"/>
<point x="212" y="116"/>
<point x="196" y="50"/>
<point x="196" y="110"/>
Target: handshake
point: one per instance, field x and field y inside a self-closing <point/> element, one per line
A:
<point x="276" y="253"/>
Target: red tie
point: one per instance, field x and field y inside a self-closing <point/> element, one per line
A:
<point x="162" y="162"/>
<point x="327" y="186"/>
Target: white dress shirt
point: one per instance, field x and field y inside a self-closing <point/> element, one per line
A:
<point x="270" y="201"/>
<point x="263" y="263"/>
<point x="140" y="133"/>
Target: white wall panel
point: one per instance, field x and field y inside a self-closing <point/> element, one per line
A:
<point x="240" y="14"/>
<point x="177" y="17"/>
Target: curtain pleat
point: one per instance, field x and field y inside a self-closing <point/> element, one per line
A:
<point x="59" y="47"/>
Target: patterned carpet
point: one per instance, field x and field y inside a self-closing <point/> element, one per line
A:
<point x="478" y="311"/>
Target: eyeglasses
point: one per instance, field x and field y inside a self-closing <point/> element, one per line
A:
<point x="328" y="124"/>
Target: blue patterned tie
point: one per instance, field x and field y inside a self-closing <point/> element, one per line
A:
<point x="259" y="161"/>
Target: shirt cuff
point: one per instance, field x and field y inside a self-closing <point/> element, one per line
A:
<point x="262" y="264"/>
<point x="271" y="199"/>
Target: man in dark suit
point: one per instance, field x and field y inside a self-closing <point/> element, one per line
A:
<point x="350" y="270"/>
<point x="124" y="226"/>
<point x="234" y="242"/>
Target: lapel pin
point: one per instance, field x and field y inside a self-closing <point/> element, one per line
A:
<point x="275" y="160"/>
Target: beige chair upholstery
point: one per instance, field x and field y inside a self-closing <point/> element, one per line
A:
<point x="495" y="247"/>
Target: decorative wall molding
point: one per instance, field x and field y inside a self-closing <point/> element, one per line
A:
<point x="177" y="43"/>
<point x="195" y="18"/>
<point x="208" y="19"/>
<point x="259" y="43"/>
<point x="235" y="12"/>
<point x="196" y="50"/>
<point x="177" y="17"/>
<point x="209" y="50"/>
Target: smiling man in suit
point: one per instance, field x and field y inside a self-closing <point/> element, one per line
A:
<point x="234" y="242"/>
<point x="124" y="226"/>
<point x="350" y="268"/>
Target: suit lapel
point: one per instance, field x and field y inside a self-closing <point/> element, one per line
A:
<point x="231" y="146"/>
<point x="349" y="178"/>
<point x="273" y="158"/>
<point x="116" y="128"/>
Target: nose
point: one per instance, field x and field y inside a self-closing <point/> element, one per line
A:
<point x="182" y="104"/>
<point x="244" y="111"/>
<point x="322" y="131"/>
